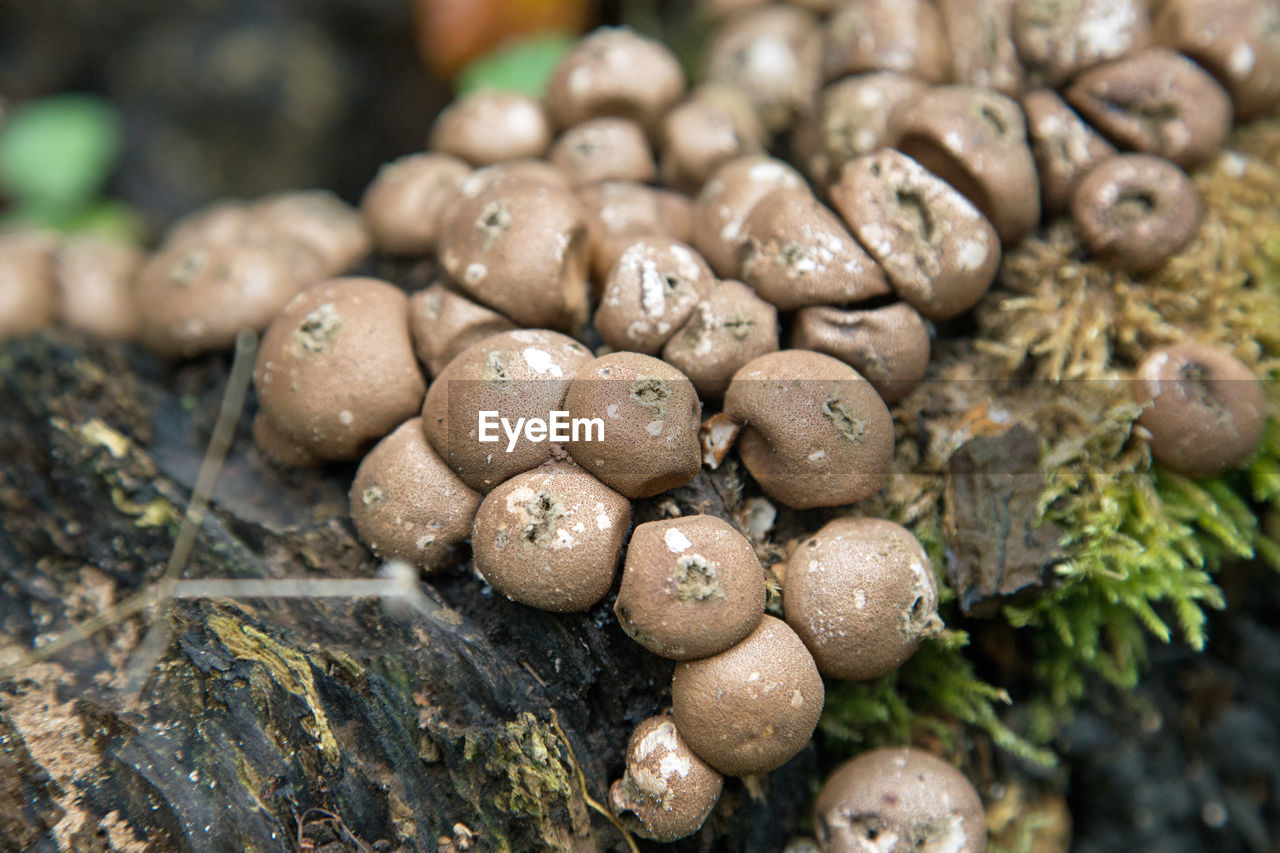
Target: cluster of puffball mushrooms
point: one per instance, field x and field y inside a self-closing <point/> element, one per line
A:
<point x="650" y="222"/>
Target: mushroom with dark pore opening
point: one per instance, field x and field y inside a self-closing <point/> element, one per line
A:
<point x="407" y="505"/>
<point x="751" y="708"/>
<point x="667" y="791"/>
<point x="691" y="587"/>
<point x="650" y="293"/>
<point x="815" y="432"/>
<point x="336" y="369"/>
<point x="898" y="800"/>
<point x="550" y="538"/>
<point x="1205" y="408"/>
<point x="861" y="594"/>
<point x="726" y="330"/>
<point x="650" y="416"/>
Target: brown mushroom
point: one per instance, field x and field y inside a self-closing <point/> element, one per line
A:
<point x="667" y="791"/>
<point x="488" y="127"/>
<point x="939" y="251"/>
<point x="520" y="376"/>
<point x="402" y="205"/>
<point x="220" y="222"/>
<point x="551" y="537"/>
<point x="1205" y="409"/>
<point x="980" y="40"/>
<point x="1157" y="102"/>
<point x="620" y="212"/>
<point x="95" y="279"/>
<point x="797" y="253"/>
<point x="279" y="448"/>
<point x="650" y="293"/>
<point x="1057" y="39"/>
<point x="899" y="799"/>
<point x="646" y="415"/>
<point x="443" y="324"/>
<point x="604" y="149"/>
<point x="889" y="345"/>
<point x="727" y="199"/>
<point x="976" y="140"/>
<point x="28" y="290"/>
<point x="520" y="247"/>
<point x="407" y="505"/>
<point x="886" y="35"/>
<point x="1065" y="147"/>
<point x="691" y="587"/>
<point x="318" y="219"/>
<point x="615" y="72"/>
<point x="715" y="124"/>
<point x="1137" y="211"/>
<point x="726" y="330"/>
<point x="751" y="708"/>
<point x="861" y="594"/>
<point x="815" y="432"/>
<point x="336" y="369"/>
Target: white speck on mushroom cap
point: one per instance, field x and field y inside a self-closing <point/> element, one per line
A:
<point x="973" y="254"/>
<point x="677" y="542"/>
<point x="541" y="361"/>
<point x="652" y="296"/>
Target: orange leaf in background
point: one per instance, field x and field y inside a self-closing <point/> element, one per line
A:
<point x="451" y="33"/>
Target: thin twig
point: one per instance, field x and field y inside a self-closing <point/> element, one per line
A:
<point x="582" y="782"/>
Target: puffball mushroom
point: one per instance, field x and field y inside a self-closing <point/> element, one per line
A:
<point x="1065" y="147"/>
<point x="487" y="127"/>
<point x="650" y="414"/>
<point x="725" y="202"/>
<point x="650" y="292"/>
<point x="898" y="800"/>
<point x="28" y="290"/>
<point x="604" y="149"/>
<point x="333" y="229"/>
<point x="444" y="323"/>
<point x="691" y="587"/>
<point x="886" y="35"/>
<point x="751" y="708"/>
<point x="95" y="278"/>
<point x="615" y="72"/>
<point x="861" y="595"/>
<point x="550" y="538"/>
<point x="815" y="432"/>
<point x="403" y="203"/>
<point x="519" y="246"/>
<point x="1204" y="408"/>
<point x="519" y="375"/>
<point x="620" y="212"/>
<point x="407" y="505"/>
<point x="667" y="791"/>
<point x="726" y="330"/>
<point x="712" y="126"/>
<point x="889" y="345"/>
<point x="336" y="369"/>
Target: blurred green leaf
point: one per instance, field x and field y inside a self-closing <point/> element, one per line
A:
<point x="59" y="151"/>
<point x="522" y="66"/>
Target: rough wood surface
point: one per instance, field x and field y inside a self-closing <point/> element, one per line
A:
<point x="469" y="719"/>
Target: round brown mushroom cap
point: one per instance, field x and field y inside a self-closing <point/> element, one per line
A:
<point x="1157" y="102"/>
<point x="727" y="199"/>
<point x="773" y="54"/>
<point x="403" y="204"/>
<point x="650" y="293"/>
<point x="861" y="594"/>
<point x="691" y="587"/>
<point x="667" y="791"/>
<point x="1137" y="211"/>
<point x="651" y="415"/>
<point x="519" y="247"/>
<point x="1204" y="408"/>
<point x="940" y="253"/>
<point x="333" y="229"/>
<point x="219" y="222"/>
<point x="976" y="140"/>
<point x="519" y="374"/>
<point x="903" y="794"/>
<point x="620" y="212"/>
<point x="443" y="324"/>
<point x="1057" y="39"/>
<point x="751" y="708"/>
<point x="715" y="124"/>
<point x="551" y="537"/>
<point x="798" y="253"/>
<point x="336" y="369"/>
<point x="886" y="35"/>
<point x="889" y="345"/>
<point x="856" y="115"/>
<point x="95" y="278"/>
<point x="726" y="330"/>
<point x="615" y="71"/>
<point x="815" y="432"/>
<point x="407" y="505"/>
<point x="1238" y="41"/>
<point x="1065" y="147"/>
<point x="196" y="295"/>
<point x="28" y="290"/>
<point x="604" y="149"/>
<point x="488" y="127"/>
<point x="980" y="40"/>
